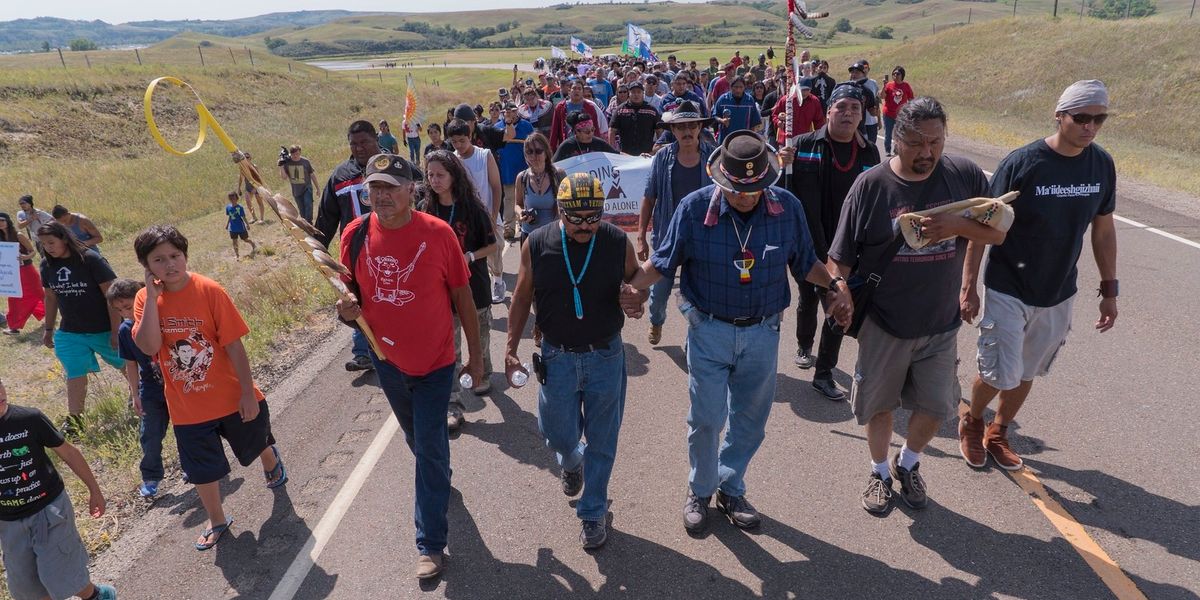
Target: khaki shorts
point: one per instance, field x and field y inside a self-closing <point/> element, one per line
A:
<point x="43" y="555"/>
<point x="1018" y="342"/>
<point x="919" y="374"/>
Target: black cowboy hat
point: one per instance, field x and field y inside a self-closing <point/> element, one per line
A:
<point x="744" y="163"/>
<point x="685" y="112"/>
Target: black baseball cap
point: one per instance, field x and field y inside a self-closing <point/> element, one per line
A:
<point x="389" y="168"/>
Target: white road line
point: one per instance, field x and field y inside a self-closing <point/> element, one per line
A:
<point x="1142" y="226"/>
<point x="303" y="563"/>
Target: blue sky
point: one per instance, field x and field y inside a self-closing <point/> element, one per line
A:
<point x="121" y="11"/>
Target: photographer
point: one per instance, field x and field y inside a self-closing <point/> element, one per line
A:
<point x="300" y="173"/>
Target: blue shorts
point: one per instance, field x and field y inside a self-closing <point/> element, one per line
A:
<point x="203" y="457"/>
<point x="77" y="352"/>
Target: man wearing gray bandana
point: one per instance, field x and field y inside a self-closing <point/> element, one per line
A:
<point x="1067" y="183"/>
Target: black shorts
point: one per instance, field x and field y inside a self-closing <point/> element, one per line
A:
<point x="243" y="234"/>
<point x="203" y="457"/>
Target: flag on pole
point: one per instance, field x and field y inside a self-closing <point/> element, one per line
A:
<point x="556" y="52"/>
<point x="637" y="42"/>
<point x="410" y="99"/>
<point x="581" y="48"/>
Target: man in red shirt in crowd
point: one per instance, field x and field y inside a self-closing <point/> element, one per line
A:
<point x="807" y="113"/>
<point x="407" y="269"/>
<point x="721" y="84"/>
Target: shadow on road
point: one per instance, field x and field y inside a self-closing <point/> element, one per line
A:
<point x="254" y="565"/>
<point x="517" y="435"/>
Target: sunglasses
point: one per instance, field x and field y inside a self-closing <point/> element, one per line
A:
<point x="1084" y="118"/>
<point x="574" y="219"/>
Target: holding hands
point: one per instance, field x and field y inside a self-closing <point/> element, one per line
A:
<point x="633" y="300"/>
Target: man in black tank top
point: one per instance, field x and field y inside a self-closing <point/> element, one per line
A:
<point x="574" y="270"/>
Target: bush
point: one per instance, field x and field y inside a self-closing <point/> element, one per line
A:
<point x="82" y="44"/>
<point x="882" y="32"/>
<point x="605" y="27"/>
<point x="205" y="44"/>
<point x="1119" y="9"/>
<point x="273" y="43"/>
<point x="842" y="25"/>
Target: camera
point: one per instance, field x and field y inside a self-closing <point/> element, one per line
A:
<point x="284" y="156"/>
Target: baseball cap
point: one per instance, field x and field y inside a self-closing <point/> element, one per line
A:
<point x="806" y="83"/>
<point x="858" y="66"/>
<point x="389" y="168"/>
<point x="464" y="112"/>
<point x="636" y="84"/>
<point x="581" y="191"/>
<point x="510" y="106"/>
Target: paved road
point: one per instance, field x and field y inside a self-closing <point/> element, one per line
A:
<point x="1111" y="433"/>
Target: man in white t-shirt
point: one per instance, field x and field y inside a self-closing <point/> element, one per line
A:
<point x="485" y="174"/>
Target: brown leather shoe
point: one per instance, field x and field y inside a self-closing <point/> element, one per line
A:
<point x="430" y="566"/>
<point x="970" y="441"/>
<point x="995" y="441"/>
<point x="655" y="334"/>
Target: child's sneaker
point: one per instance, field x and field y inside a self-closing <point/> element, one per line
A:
<point x="106" y="592"/>
<point x="148" y="489"/>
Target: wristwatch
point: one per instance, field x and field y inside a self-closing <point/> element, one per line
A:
<point x="1108" y="289"/>
<point x="833" y="284"/>
<point x="471" y="256"/>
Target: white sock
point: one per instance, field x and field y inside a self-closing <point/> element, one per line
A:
<point x="882" y="469"/>
<point x="908" y="458"/>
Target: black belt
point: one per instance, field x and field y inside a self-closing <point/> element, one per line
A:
<point x="605" y="345"/>
<point x="739" y="321"/>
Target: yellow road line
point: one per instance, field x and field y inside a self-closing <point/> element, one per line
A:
<point x="1096" y="558"/>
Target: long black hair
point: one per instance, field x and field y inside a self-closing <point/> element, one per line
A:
<point x="462" y="189"/>
<point x="55" y="229"/>
<point x="9" y="231"/>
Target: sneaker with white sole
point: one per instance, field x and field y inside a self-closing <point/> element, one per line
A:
<point x="877" y="498"/>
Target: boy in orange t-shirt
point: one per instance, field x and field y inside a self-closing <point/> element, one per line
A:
<point x="189" y="323"/>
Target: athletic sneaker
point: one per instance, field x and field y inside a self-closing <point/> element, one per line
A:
<point x="572" y="481"/>
<point x="912" y="486"/>
<point x="360" y="363"/>
<point x="498" y="291"/>
<point x="106" y="592"/>
<point x="593" y="534"/>
<point x="695" y="512"/>
<point x="454" y="416"/>
<point x="805" y="359"/>
<point x="148" y="489"/>
<point x="877" y="498"/>
<point x="739" y="511"/>
<point x="996" y="443"/>
<point x="829" y="389"/>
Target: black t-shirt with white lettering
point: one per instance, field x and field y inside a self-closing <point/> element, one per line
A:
<point x="28" y="480"/>
<point x="473" y="233"/>
<point x="76" y="284"/>
<point x="1060" y="195"/>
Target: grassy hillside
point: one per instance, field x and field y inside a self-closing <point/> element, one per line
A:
<point x="1010" y="101"/>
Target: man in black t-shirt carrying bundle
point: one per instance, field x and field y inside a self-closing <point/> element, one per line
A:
<point x="1067" y="183"/>
<point x="574" y="271"/>
<point x="907" y="346"/>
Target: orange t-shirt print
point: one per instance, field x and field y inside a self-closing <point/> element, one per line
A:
<point x="197" y="323"/>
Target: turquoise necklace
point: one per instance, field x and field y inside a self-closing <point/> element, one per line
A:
<point x="571" y="272"/>
<point x="453" y="207"/>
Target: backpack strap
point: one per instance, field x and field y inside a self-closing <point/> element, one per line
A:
<point x="357" y="241"/>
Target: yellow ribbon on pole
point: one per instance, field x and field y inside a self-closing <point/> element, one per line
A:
<point x="289" y="216"/>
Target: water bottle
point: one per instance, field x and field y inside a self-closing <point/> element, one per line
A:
<point x="520" y="378"/>
<point x="466" y="381"/>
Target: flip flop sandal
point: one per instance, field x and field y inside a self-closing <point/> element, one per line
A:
<point x="273" y="483"/>
<point x="219" y="530"/>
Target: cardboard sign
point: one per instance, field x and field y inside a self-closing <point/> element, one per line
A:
<point x="10" y="270"/>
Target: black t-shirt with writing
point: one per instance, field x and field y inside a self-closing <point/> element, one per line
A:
<point x="1060" y="195"/>
<point x="573" y="147"/>
<point x="76" y="284"/>
<point x="918" y="295"/>
<point x="473" y="233"/>
<point x="635" y="124"/>
<point x="28" y="480"/>
<point x="599" y="288"/>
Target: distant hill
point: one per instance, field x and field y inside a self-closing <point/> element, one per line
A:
<point x="30" y="34"/>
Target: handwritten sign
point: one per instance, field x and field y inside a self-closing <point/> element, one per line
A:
<point x="10" y="270"/>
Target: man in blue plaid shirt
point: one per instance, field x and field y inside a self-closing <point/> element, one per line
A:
<point x="734" y="241"/>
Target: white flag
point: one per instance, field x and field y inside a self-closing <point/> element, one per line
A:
<point x="557" y="53"/>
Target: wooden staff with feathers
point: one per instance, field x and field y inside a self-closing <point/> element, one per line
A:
<point x="797" y="14"/>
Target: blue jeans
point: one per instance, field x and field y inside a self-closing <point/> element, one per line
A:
<point x="660" y="293"/>
<point x="420" y="405"/>
<point x="584" y="396"/>
<point x="305" y="203"/>
<point x="414" y="151"/>
<point x="731" y="380"/>
<point x="150" y="435"/>
<point x="871" y="132"/>
<point x="888" y="125"/>
<point x="359" y="345"/>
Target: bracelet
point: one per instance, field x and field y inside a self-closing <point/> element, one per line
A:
<point x="1108" y="289"/>
<point x="471" y="256"/>
<point x="833" y="284"/>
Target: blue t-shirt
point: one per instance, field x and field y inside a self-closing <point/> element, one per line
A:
<point x="512" y="154"/>
<point x="601" y="89"/>
<point x="237" y="218"/>
<point x="150" y="384"/>
<point x="388" y="141"/>
<point x="743" y="114"/>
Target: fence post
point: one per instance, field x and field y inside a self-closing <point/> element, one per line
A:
<point x="251" y="53"/>
<point x="969" y="9"/>
<point x="232" y="57"/>
<point x="138" y="55"/>
<point x="289" y="67"/>
<point x="1014" y="8"/>
<point x="200" y="49"/>
<point x="381" y="77"/>
<point x="61" y="59"/>
<point x="89" y="61"/>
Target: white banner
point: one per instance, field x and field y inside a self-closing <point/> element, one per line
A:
<point x="557" y="53"/>
<point x="10" y="269"/>
<point x="623" y="178"/>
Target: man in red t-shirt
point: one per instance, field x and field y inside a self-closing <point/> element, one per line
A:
<point x="407" y="269"/>
<point x="896" y="93"/>
<point x="807" y="116"/>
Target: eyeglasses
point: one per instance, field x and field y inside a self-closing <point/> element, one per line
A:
<point x="1085" y="118"/>
<point x="574" y="219"/>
